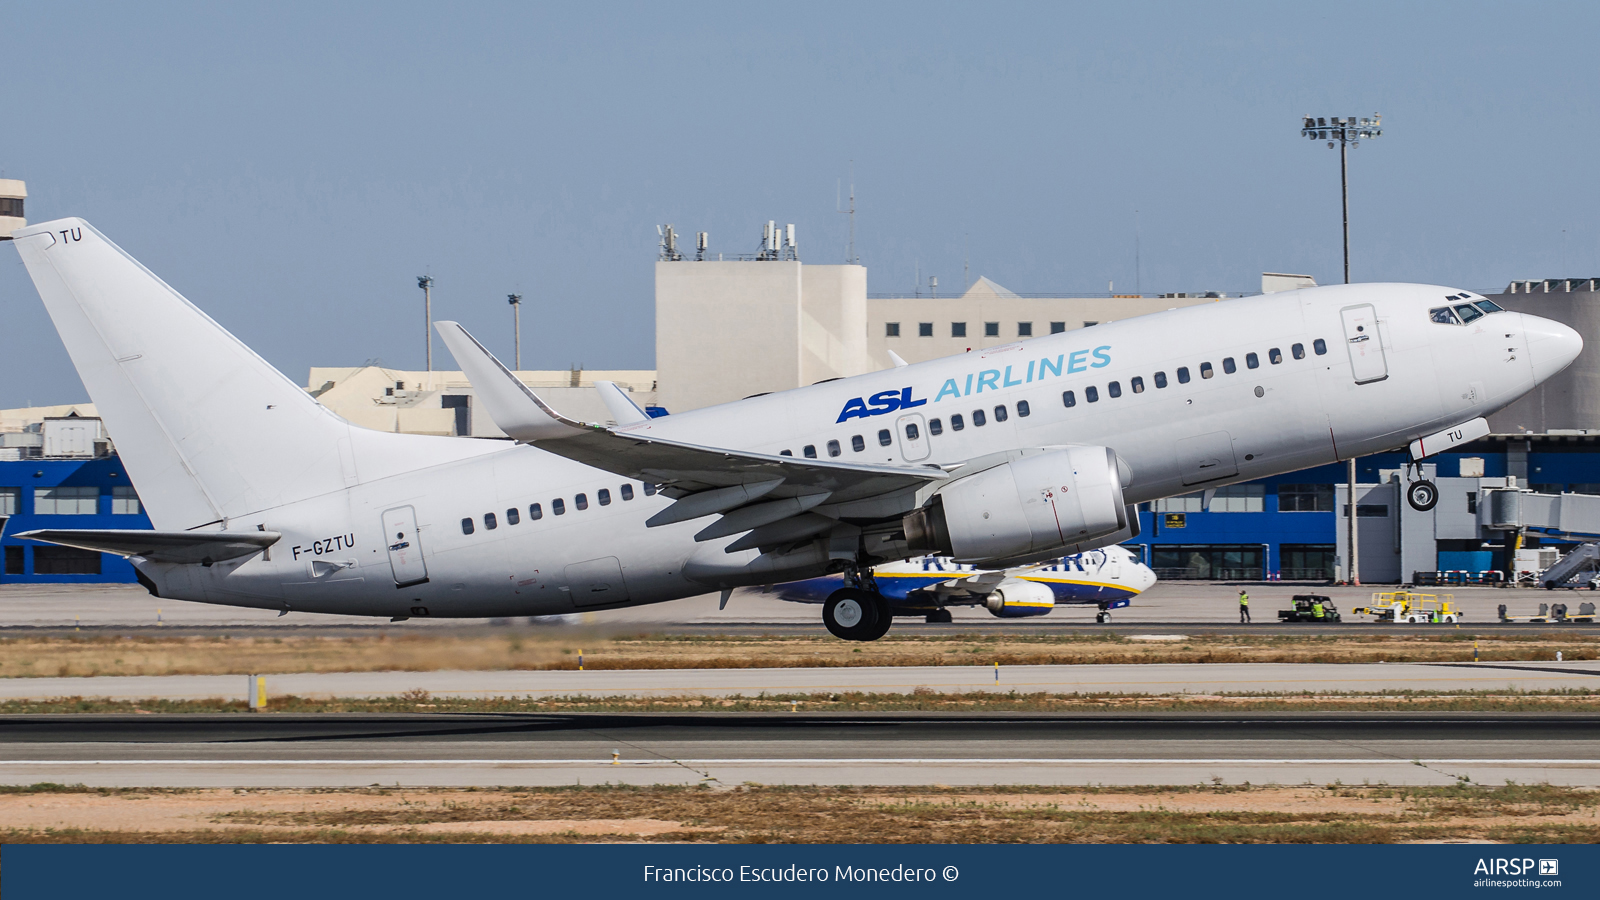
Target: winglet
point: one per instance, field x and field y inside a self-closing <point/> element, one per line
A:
<point x="898" y="362"/>
<point x="620" y="405"/>
<point x="517" y="410"/>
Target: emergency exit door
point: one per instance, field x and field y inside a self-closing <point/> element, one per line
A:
<point x="405" y="548"/>
<point x="913" y="437"/>
<point x="1364" y="343"/>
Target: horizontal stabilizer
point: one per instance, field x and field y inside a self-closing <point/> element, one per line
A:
<point x="160" y="546"/>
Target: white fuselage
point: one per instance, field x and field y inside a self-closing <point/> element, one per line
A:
<point x="1217" y="428"/>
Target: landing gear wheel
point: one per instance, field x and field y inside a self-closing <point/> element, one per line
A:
<point x="939" y="617"/>
<point x="852" y="614"/>
<point x="1422" y="495"/>
<point x="1102" y="617"/>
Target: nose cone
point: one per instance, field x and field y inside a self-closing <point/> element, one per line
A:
<point x="1552" y="346"/>
<point x="1144" y="578"/>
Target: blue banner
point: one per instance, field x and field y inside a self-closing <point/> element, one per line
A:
<point x="400" y="872"/>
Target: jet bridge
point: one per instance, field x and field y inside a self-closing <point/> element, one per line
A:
<point x="1570" y="516"/>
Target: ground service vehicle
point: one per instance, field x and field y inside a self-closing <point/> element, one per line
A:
<point x="1409" y="608"/>
<point x="1310" y="608"/>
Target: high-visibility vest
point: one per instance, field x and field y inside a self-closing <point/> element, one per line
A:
<point x="1316" y="610"/>
<point x="1244" y="599"/>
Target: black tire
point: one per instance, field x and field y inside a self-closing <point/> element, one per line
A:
<point x="1422" y="495"/>
<point x="939" y="617"/>
<point x="851" y="614"/>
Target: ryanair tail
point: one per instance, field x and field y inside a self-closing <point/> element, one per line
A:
<point x="207" y="429"/>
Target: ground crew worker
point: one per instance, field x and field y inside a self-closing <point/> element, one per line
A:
<point x="1244" y="606"/>
<point x="1316" y="610"/>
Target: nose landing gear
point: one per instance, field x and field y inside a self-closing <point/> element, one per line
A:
<point x="1422" y="495"/>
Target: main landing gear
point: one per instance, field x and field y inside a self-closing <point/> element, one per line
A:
<point x="853" y="614"/>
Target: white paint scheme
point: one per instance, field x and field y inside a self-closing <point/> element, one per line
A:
<point x="219" y="443"/>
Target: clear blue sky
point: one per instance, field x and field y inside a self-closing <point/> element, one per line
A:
<point x="292" y="167"/>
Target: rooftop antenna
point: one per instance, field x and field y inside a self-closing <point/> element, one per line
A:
<point x="702" y="240"/>
<point x="1137" y="286"/>
<point x="669" y="244"/>
<point x="966" y="261"/>
<point x="850" y="258"/>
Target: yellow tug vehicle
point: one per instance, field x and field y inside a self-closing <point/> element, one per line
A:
<point x="1410" y="608"/>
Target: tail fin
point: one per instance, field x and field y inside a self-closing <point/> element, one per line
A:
<point x="207" y="429"/>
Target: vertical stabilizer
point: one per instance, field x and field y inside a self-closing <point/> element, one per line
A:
<point x="206" y="428"/>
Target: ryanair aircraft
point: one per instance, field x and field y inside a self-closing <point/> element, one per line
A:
<point x="1005" y="457"/>
<point x="1106" y="579"/>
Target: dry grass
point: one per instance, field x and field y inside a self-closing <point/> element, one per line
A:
<point x="219" y="655"/>
<point x="923" y="700"/>
<point x="1236" y="814"/>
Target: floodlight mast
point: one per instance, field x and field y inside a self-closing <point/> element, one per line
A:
<point x="516" y="328"/>
<point x="1348" y="132"/>
<point x="426" y="283"/>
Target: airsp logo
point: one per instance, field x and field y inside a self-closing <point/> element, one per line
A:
<point x="878" y="404"/>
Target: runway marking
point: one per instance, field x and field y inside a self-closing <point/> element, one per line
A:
<point x="1544" y="763"/>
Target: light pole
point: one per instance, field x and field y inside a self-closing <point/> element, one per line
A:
<point x="426" y="283"/>
<point x="1347" y="132"/>
<point x="516" y="318"/>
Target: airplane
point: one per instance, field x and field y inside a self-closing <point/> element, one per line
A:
<point x="1107" y="579"/>
<point x="1001" y="457"/>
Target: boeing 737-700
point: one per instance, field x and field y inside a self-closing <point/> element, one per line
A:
<point x="1002" y="457"/>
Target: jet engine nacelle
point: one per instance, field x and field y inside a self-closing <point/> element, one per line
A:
<point x="1017" y="599"/>
<point x="1029" y="507"/>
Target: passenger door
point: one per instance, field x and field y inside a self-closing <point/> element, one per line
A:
<point x="1364" y="343"/>
<point x="405" y="546"/>
<point x="913" y="437"/>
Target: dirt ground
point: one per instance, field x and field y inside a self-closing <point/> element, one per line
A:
<point x="1196" y="814"/>
<point x="220" y="655"/>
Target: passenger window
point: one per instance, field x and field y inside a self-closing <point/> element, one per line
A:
<point x="884" y="437"/>
<point x="1443" y="316"/>
<point x="489" y="521"/>
<point x="535" y="511"/>
<point x="912" y="431"/>
<point x="1183" y="374"/>
<point x="466" y="526"/>
<point x="1468" y="312"/>
<point x="979" y="419"/>
<point x="1274" y="356"/>
<point x="1068" y="398"/>
<point x="1137" y="384"/>
<point x="957" y="423"/>
<point x="1161" y="379"/>
<point x="1114" y="389"/>
<point x="1319" y="346"/>
<point x="1299" y="351"/>
<point x="1091" y="394"/>
<point x="858" y="443"/>
<point x="1252" y="361"/>
<point x="1228" y="366"/>
<point x="604" y="496"/>
<point x="513" y="516"/>
<point x="785" y="452"/>
<point x="935" y="426"/>
<point x="1022" y="409"/>
<point x="558" y="506"/>
<point x="649" y="490"/>
<point x="581" y="501"/>
<point x="1489" y="306"/>
<point x="1206" y="371"/>
<point x="1000" y="414"/>
<point x="627" y="492"/>
<point x="810" y="451"/>
<point x="833" y="448"/>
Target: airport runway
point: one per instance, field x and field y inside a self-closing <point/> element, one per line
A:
<point x="1161" y="678"/>
<point x="727" y="749"/>
<point x="1180" y="606"/>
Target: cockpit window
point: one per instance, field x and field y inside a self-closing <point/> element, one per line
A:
<point x="1468" y="312"/>
<point x="1443" y="316"/>
<point x="1489" y="306"/>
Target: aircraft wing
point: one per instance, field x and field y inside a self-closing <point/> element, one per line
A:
<point x="160" y="546"/>
<point x="704" y="480"/>
<point x="979" y="582"/>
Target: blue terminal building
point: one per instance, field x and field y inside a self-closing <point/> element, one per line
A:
<point x="65" y="493"/>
